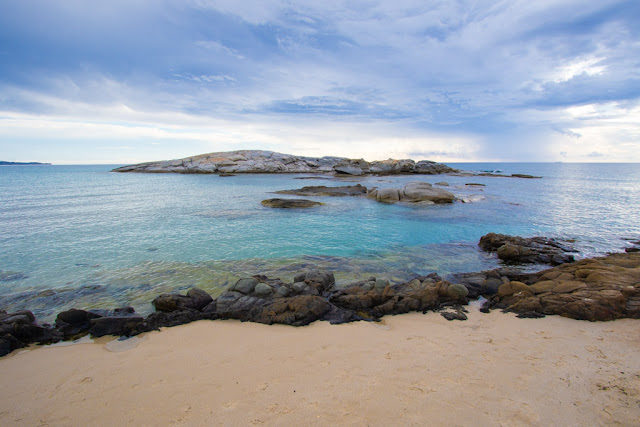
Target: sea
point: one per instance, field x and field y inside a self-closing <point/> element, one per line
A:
<point x="85" y="237"/>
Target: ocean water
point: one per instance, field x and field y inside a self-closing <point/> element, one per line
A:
<point x="81" y="236"/>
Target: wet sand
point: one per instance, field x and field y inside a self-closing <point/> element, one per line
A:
<point x="412" y="369"/>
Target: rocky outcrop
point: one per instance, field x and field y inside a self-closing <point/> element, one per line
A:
<point x="413" y="192"/>
<point x="290" y="203"/>
<point x="533" y="250"/>
<point x="604" y="288"/>
<point x="259" y="161"/>
<point x="321" y="190"/>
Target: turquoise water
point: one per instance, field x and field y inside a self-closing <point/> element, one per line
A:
<point x="82" y="236"/>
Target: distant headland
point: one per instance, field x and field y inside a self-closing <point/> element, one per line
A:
<point x="260" y="161"/>
<point x="3" y="163"/>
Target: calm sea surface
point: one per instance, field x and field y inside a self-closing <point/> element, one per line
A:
<point x="84" y="237"/>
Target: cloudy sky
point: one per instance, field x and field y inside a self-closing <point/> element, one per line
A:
<point x="124" y="81"/>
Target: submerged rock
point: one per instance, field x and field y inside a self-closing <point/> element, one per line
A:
<point x="290" y="203"/>
<point x="321" y="190"/>
<point x="8" y="276"/>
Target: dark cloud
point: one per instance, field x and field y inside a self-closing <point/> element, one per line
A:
<point x="449" y="67"/>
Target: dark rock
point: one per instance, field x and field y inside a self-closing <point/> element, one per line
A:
<point x="245" y="286"/>
<point x="453" y="315"/>
<point x="472" y="281"/>
<point x="196" y="299"/>
<point x="290" y="203"/>
<point x="210" y="309"/>
<point x="336" y="315"/>
<point x="263" y="290"/>
<point x="161" y="319"/>
<point x="349" y="190"/>
<point x="283" y="291"/>
<point x="22" y="316"/>
<point x="8" y="343"/>
<point x="234" y="305"/>
<point x="490" y="286"/>
<point x="537" y="250"/>
<point x="117" y="326"/>
<point x="530" y="315"/>
<point x="632" y="250"/>
<point x="18" y="319"/>
<point x="318" y="279"/>
<point x="199" y="297"/>
<point x="74" y="323"/>
<point x="299" y="310"/>
<point x="75" y="317"/>
<point x="172" y="302"/>
<point x="522" y="175"/>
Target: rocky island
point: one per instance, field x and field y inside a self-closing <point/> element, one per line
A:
<point x="260" y="161"/>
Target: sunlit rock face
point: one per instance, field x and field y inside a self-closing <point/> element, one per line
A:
<point x="259" y="161"/>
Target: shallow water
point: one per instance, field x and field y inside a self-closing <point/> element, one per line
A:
<point x="84" y="237"/>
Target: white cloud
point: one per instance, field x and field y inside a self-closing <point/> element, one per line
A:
<point x="589" y="66"/>
<point x="473" y="80"/>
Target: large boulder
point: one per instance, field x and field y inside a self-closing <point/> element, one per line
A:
<point x="117" y="326"/>
<point x="196" y="299"/>
<point x="384" y="195"/>
<point x="74" y="323"/>
<point x="413" y="192"/>
<point x="425" y="192"/>
<point x="244" y="286"/>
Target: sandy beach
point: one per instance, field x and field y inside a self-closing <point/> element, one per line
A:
<point x="411" y="369"/>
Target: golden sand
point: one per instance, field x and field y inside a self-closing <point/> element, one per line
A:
<point x="412" y="369"/>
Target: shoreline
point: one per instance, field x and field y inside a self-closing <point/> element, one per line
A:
<point x="412" y="369"/>
<point x="596" y="289"/>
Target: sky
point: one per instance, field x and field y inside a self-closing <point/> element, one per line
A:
<point x="127" y="81"/>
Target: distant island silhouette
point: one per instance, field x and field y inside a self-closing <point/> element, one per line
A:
<point x="2" y="163"/>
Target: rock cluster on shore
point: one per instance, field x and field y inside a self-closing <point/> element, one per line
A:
<point x="603" y="288"/>
<point x="260" y="161"/>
